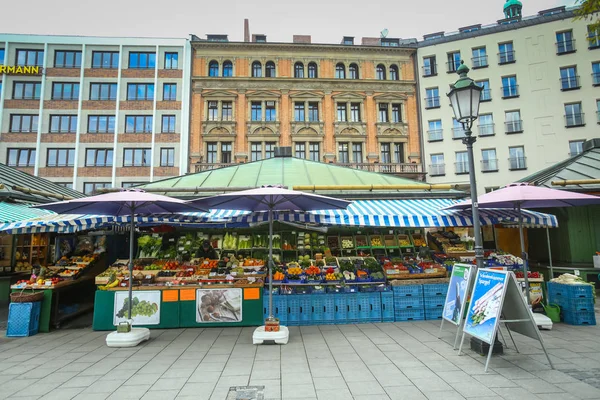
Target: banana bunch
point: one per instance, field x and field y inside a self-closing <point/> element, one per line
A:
<point x="112" y="282"/>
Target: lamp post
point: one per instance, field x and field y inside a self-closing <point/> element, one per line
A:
<point x="464" y="97"/>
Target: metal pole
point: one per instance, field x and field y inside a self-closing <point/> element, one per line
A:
<point x="469" y="140"/>
<point x="131" y="240"/>
<point x="270" y="262"/>
<point x="549" y="253"/>
<point x="523" y="253"/>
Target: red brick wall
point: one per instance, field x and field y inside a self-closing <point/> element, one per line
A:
<point x="96" y="138"/>
<point x="101" y="73"/>
<point x="91" y="172"/>
<point x="22" y="104"/>
<point x="19" y="137"/>
<point x="135" y="138"/>
<point x="166" y="171"/>
<point x="29" y="170"/>
<point x="58" y="138"/>
<point x="135" y="105"/>
<point x="168" y="105"/>
<point x="56" y="172"/>
<point x="99" y="105"/>
<point x="170" y="73"/>
<point x="60" y="104"/>
<point x="133" y="171"/>
<point x="167" y="138"/>
<point x="74" y="72"/>
<point x="137" y="73"/>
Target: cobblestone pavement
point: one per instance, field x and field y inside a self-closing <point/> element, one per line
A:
<point x="391" y="361"/>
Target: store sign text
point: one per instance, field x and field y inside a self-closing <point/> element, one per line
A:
<point x="20" y="70"/>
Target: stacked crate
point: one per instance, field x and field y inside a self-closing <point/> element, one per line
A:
<point x="387" y="306"/>
<point x="434" y="297"/>
<point x="576" y="302"/>
<point x="408" y="303"/>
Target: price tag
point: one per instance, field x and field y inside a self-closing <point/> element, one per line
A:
<point x="233" y="273"/>
<point x="155" y="235"/>
<point x="358" y="232"/>
<point x="576" y="272"/>
<point x="212" y="274"/>
<point x="391" y="232"/>
<point x="181" y="248"/>
<point x="48" y="283"/>
<point x="205" y="262"/>
<point x="348" y="251"/>
<point x="148" y="276"/>
<point x="188" y="242"/>
<point x="172" y="240"/>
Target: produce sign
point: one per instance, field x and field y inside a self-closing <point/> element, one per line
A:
<point x="145" y="309"/>
<point x="455" y="298"/>
<point x="219" y="305"/>
<point x="486" y="304"/>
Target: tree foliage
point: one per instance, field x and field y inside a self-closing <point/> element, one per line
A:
<point x="589" y="10"/>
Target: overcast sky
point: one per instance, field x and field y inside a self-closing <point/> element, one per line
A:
<point x="326" y="21"/>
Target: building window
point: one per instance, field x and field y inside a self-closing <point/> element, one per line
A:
<point x="341" y="112"/>
<point x="299" y="70"/>
<point x="399" y="153"/>
<point x="435" y="131"/>
<point x="270" y="149"/>
<point x="314" y="153"/>
<point x="167" y="157"/>
<point x="227" y="69"/>
<point x="23" y="123"/>
<point x="568" y="78"/>
<point x="1" y="56"/>
<point x="171" y="60"/>
<point x="226" y="153"/>
<point x="169" y="91"/>
<point x="68" y="185"/>
<point x="355" y="112"/>
<point x="486" y="93"/>
<point x="65" y="91"/>
<point x="270" y="69"/>
<point x="143" y="60"/>
<point x="489" y="161"/>
<point x="101" y="124"/>
<point x="256" y="111"/>
<point x="486" y="124"/>
<point x="565" y="42"/>
<point x="255" y="151"/>
<point x="394" y="75"/>
<point x="21" y="157"/>
<point x="299" y="111"/>
<point x="573" y="115"/>
<point x="509" y="87"/>
<point x="98" y="157"/>
<point x="596" y="73"/>
<point x="140" y="91"/>
<point x="479" y="59"/>
<point x="27" y="90"/>
<point x="213" y="110"/>
<point x="91" y="188"/>
<point x="506" y="53"/>
<point x="312" y="70"/>
<point x="313" y="112"/>
<point x="517" y="158"/>
<point x="30" y="58"/>
<point x="105" y="59"/>
<point x="385" y="153"/>
<point x="429" y="66"/>
<point x="432" y="98"/>
<point x="138" y="124"/>
<point x="396" y="113"/>
<point x="226" y="111"/>
<point x="270" y="111"/>
<point x="127" y="185"/>
<point x="453" y="61"/>
<point x="63" y="123"/>
<point x="383" y="112"/>
<point x="576" y="147"/>
<point x="437" y="166"/>
<point x="60" y="158"/>
<point x="593" y="37"/>
<point x="168" y="124"/>
<point x="380" y="72"/>
<point x="340" y="71"/>
<point x="103" y="91"/>
<point x="67" y="59"/>
<point x="513" y="122"/>
<point x="213" y="68"/>
<point x="211" y="152"/>
<point x="458" y="130"/>
<point x="343" y="155"/>
<point x="256" y="69"/>
<point x="136" y="157"/>
<point x="462" y="162"/>
<point x="300" y="150"/>
<point x="357" y="153"/>
<point x="353" y="71"/>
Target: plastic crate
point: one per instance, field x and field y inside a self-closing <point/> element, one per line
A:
<point x="408" y="290"/>
<point x="434" y="301"/>
<point x="408" y="302"/>
<point x="576" y="304"/>
<point x="341" y="308"/>
<point x="293" y="306"/>
<point x="305" y="309"/>
<point x="387" y="306"/>
<point x="556" y="290"/>
<point x="329" y="309"/>
<point x="23" y="319"/>
<point x="580" y="318"/>
<point x="409" y="315"/>
<point x="350" y="289"/>
<point x="435" y="289"/>
<point x="352" y="307"/>
<point x="375" y="304"/>
<point x="318" y="309"/>
<point x="434" y="313"/>
<point x="364" y="308"/>
<point x="280" y="308"/>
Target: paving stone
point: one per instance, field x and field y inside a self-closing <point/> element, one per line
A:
<point x="405" y="393"/>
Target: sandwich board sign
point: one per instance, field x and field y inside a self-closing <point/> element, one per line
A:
<point x="496" y="298"/>
<point x="454" y="305"/>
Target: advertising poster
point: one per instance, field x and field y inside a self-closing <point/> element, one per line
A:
<point x="145" y="309"/>
<point x="219" y="305"/>
<point x="486" y="304"/>
<point x="457" y="288"/>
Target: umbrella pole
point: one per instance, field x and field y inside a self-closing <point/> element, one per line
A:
<point x="523" y="253"/>
<point x="270" y="262"/>
<point x="131" y="239"/>
<point x="549" y="253"/>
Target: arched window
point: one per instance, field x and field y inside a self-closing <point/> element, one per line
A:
<point x="270" y="69"/>
<point x="298" y="70"/>
<point x="380" y="73"/>
<point x="213" y="68"/>
<point x="394" y="72"/>
<point x="312" y="70"/>
<point x="353" y="71"/>
<point x="256" y="69"/>
<point x="227" y="68"/>
<point x="340" y="71"/>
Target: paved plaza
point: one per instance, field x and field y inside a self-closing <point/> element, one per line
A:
<point x="368" y="361"/>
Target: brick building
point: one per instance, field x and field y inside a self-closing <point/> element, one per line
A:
<point x="350" y="104"/>
<point x="101" y="112"/>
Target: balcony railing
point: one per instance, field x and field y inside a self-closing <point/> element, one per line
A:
<point x="429" y="70"/>
<point x="565" y="46"/>
<point x="510" y="91"/>
<point x="486" y="95"/>
<point x="435" y="135"/>
<point x="432" y="102"/>
<point x="569" y="83"/>
<point x="486" y="129"/>
<point x="437" y="169"/>
<point x="513" y="126"/>
<point x="490" y="165"/>
<point x="479" y="62"/>
<point x="573" y="120"/>
<point x="517" y="163"/>
<point x="386" y="168"/>
<point x="593" y="41"/>
<point x="452" y="66"/>
<point x="506" y="57"/>
<point x="461" y="167"/>
<point x="596" y="78"/>
<point x="458" y="133"/>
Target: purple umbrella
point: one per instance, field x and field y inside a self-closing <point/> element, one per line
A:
<point x="125" y="202"/>
<point x="271" y="198"/>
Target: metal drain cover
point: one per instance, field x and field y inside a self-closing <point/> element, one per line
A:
<point x="246" y="393"/>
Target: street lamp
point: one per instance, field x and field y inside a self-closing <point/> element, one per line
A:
<point x="464" y="97"/>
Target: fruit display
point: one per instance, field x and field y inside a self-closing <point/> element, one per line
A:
<point x="376" y="241"/>
<point x="347" y="242"/>
<point x="404" y="241"/>
<point x="278" y="276"/>
<point x="331" y="275"/>
<point x="418" y="240"/>
<point x="312" y="271"/>
<point x="149" y="245"/>
<point x="294" y="271"/>
<point x="349" y="276"/>
<point x="244" y="242"/>
<point x="520" y="274"/>
<point x="229" y="241"/>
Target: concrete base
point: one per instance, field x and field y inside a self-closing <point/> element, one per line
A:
<point x="260" y="336"/>
<point x="128" y="339"/>
<point x="542" y="321"/>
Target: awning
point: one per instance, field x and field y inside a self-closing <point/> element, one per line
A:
<point x="12" y="212"/>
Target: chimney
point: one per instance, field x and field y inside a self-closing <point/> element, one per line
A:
<point x="246" y="30"/>
<point x="302" y="39"/>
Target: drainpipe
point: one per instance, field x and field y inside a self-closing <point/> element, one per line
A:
<point x="418" y="95"/>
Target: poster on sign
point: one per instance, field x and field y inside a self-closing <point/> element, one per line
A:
<point x="457" y="290"/>
<point x="145" y="309"/>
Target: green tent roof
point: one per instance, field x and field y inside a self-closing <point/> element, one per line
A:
<point x="14" y="212"/>
<point x="289" y="171"/>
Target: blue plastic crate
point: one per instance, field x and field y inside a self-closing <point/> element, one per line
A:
<point x="363" y="307"/>
<point x="434" y="301"/>
<point x="280" y="308"/>
<point x="350" y="289"/>
<point x="23" y="319"/>
<point x="319" y="290"/>
<point x="435" y="289"/>
<point x="387" y="306"/>
<point x="352" y="307"/>
<point x="305" y="309"/>
<point x="408" y="302"/>
<point x="580" y="318"/>
<point x="293" y="305"/>
<point x="556" y="290"/>
<point x="408" y="290"/>
<point x="409" y="315"/>
<point x="375" y="304"/>
<point x="577" y="304"/>
<point x="329" y="309"/>
<point x="318" y="309"/>
<point x="434" y="313"/>
<point x="341" y="308"/>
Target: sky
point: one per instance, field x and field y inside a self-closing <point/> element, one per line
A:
<point x="326" y="21"/>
